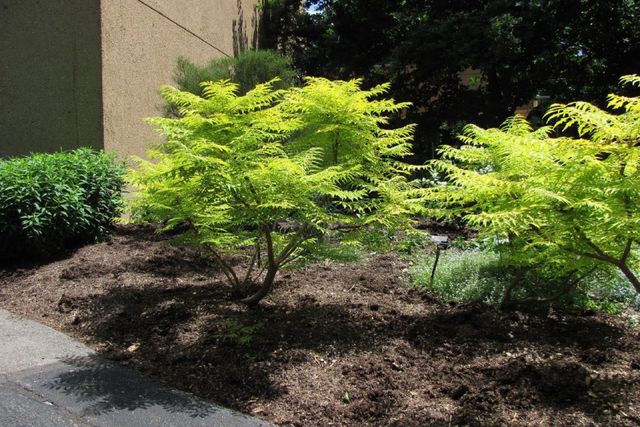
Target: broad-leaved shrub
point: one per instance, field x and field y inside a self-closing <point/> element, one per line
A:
<point x="49" y="202"/>
<point x="567" y="205"/>
<point x="275" y="175"/>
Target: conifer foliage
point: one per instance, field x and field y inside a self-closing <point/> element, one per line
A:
<point x="275" y="175"/>
<point x="566" y="204"/>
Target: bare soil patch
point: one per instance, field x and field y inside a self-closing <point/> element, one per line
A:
<point x="335" y="344"/>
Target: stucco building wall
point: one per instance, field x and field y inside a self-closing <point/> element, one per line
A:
<point x="87" y="72"/>
<point x="139" y="51"/>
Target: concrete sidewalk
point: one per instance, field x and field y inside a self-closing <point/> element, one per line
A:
<point x="49" y="380"/>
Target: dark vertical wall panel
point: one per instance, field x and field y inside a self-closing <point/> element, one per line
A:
<point x="50" y="75"/>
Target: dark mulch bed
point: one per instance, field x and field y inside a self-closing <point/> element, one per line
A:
<point x="403" y="358"/>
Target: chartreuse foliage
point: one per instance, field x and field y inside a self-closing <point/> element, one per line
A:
<point x="276" y="175"/>
<point x="50" y="202"/>
<point x="564" y="205"/>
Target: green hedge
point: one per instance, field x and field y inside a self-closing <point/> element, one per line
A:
<point x="50" y="202"/>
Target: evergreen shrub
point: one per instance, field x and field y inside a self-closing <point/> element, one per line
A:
<point x="50" y="202"/>
<point x="248" y="69"/>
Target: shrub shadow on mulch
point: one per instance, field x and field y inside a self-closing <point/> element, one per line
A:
<point x="97" y="387"/>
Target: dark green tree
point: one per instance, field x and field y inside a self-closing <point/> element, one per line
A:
<point x="561" y="49"/>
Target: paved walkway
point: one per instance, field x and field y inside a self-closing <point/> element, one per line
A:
<point x="49" y="380"/>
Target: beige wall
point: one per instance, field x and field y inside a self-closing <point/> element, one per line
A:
<point x="50" y="95"/>
<point x="140" y="48"/>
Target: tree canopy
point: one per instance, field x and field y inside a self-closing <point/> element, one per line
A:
<point x="564" y="50"/>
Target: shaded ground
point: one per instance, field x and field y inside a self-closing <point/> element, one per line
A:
<point x="330" y="331"/>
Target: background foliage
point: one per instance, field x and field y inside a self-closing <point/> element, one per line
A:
<point x="247" y="69"/>
<point x="561" y="49"/>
